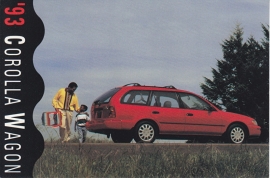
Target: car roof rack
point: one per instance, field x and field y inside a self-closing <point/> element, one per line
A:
<point x="170" y="86"/>
<point x="137" y="84"/>
<point x="132" y="84"/>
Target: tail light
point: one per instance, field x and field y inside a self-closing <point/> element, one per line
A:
<point x="112" y="112"/>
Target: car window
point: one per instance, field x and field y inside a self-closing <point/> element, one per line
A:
<point x="105" y="98"/>
<point x="164" y="99"/>
<point x="193" y="102"/>
<point x="136" y="97"/>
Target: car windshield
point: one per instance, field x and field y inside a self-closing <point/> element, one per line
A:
<point x="105" y="98"/>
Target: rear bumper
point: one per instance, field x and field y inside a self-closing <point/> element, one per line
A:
<point x="103" y="124"/>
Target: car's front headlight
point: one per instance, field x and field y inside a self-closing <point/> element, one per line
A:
<point x="254" y="122"/>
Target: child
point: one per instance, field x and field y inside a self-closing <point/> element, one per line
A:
<point x="81" y="119"/>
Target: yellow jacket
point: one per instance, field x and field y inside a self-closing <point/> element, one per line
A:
<point x="59" y="99"/>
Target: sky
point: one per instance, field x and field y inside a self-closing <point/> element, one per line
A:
<point x="104" y="44"/>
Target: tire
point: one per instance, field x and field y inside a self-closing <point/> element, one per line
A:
<point x="121" y="136"/>
<point x="236" y="134"/>
<point x="145" y="132"/>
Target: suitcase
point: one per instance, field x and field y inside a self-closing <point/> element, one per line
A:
<point x="53" y="119"/>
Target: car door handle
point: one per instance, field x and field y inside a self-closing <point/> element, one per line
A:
<point x="155" y="112"/>
<point x="189" y="114"/>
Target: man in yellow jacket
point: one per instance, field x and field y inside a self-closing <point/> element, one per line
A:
<point x="66" y="101"/>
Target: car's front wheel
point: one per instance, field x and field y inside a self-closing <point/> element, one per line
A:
<point x="121" y="136"/>
<point x="236" y="134"/>
<point x="145" y="132"/>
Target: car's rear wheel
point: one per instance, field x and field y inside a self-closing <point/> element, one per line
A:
<point x="236" y="134"/>
<point x="121" y="136"/>
<point x="145" y="132"/>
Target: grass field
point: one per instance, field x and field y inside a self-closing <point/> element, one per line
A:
<point x="63" y="160"/>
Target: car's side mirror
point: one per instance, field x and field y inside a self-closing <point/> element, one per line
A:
<point x="209" y="108"/>
<point x="212" y="109"/>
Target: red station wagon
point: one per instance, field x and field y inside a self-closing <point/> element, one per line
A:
<point x="146" y="113"/>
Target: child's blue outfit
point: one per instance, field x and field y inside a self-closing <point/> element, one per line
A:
<point x="81" y="119"/>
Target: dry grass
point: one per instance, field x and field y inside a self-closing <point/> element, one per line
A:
<point x="63" y="160"/>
